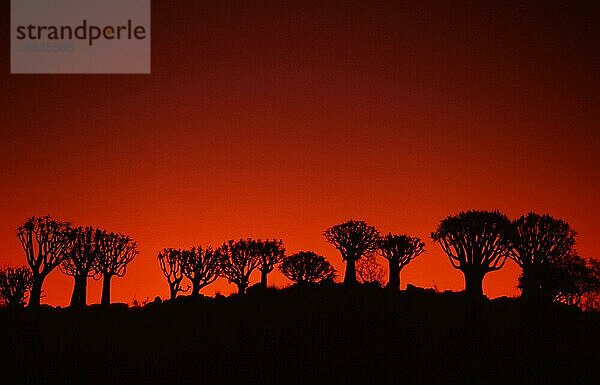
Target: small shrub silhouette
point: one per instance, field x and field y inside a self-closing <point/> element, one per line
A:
<point x="15" y="284"/>
<point x="307" y="267"/>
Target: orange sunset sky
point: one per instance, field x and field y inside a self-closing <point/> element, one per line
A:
<point x="267" y="119"/>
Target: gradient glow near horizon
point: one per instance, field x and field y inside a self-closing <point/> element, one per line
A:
<point x="278" y="121"/>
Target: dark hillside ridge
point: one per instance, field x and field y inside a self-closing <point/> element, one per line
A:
<point x="321" y="335"/>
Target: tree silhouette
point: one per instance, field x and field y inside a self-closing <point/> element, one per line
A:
<point x="46" y="243"/>
<point x="590" y="299"/>
<point x="171" y="266"/>
<point x="353" y="239"/>
<point x="271" y="253"/>
<point x="201" y="267"/>
<point x="116" y="252"/>
<point x="14" y="285"/>
<point x="238" y="260"/>
<point x="81" y="262"/>
<point x="369" y="271"/>
<point x="476" y="243"/>
<point x="399" y="250"/>
<point x="540" y="241"/>
<point x="307" y="267"/>
<point x="571" y="279"/>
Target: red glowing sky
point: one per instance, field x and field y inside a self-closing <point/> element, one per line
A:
<point x="280" y="121"/>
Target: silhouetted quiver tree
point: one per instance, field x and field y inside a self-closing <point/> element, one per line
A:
<point x="542" y="246"/>
<point x="369" y="271"/>
<point x="46" y="243"/>
<point x="399" y="250"/>
<point x="201" y="267"/>
<point x="238" y="260"/>
<point x="476" y="243"/>
<point x="271" y="253"/>
<point x="14" y="285"/>
<point x="82" y="261"/>
<point x="353" y="239"/>
<point x="170" y="261"/>
<point x="307" y="267"/>
<point x="116" y="252"/>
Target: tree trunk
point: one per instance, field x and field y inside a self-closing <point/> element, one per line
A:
<point x="83" y="292"/>
<point x="75" y="294"/>
<point x="79" y="297"/>
<point x="35" y="295"/>
<point x="528" y="289"/>
<point x="195" y="289"/>
<point x="530" y="284"/>
<point x="173" y="290"/>
<point x="394" y="280"/>
<point x="350" y="275"/>
<point x="241" y="288"/>
<point x="106" y="289"/>
<point x="473" y="283"/>
<point x="263" y="279"/>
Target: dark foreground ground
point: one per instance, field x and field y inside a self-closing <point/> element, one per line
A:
<point x="317" y="336"/>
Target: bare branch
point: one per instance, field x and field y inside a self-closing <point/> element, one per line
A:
<point x="238" y="260"/>
<point x="170" y="261"/>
